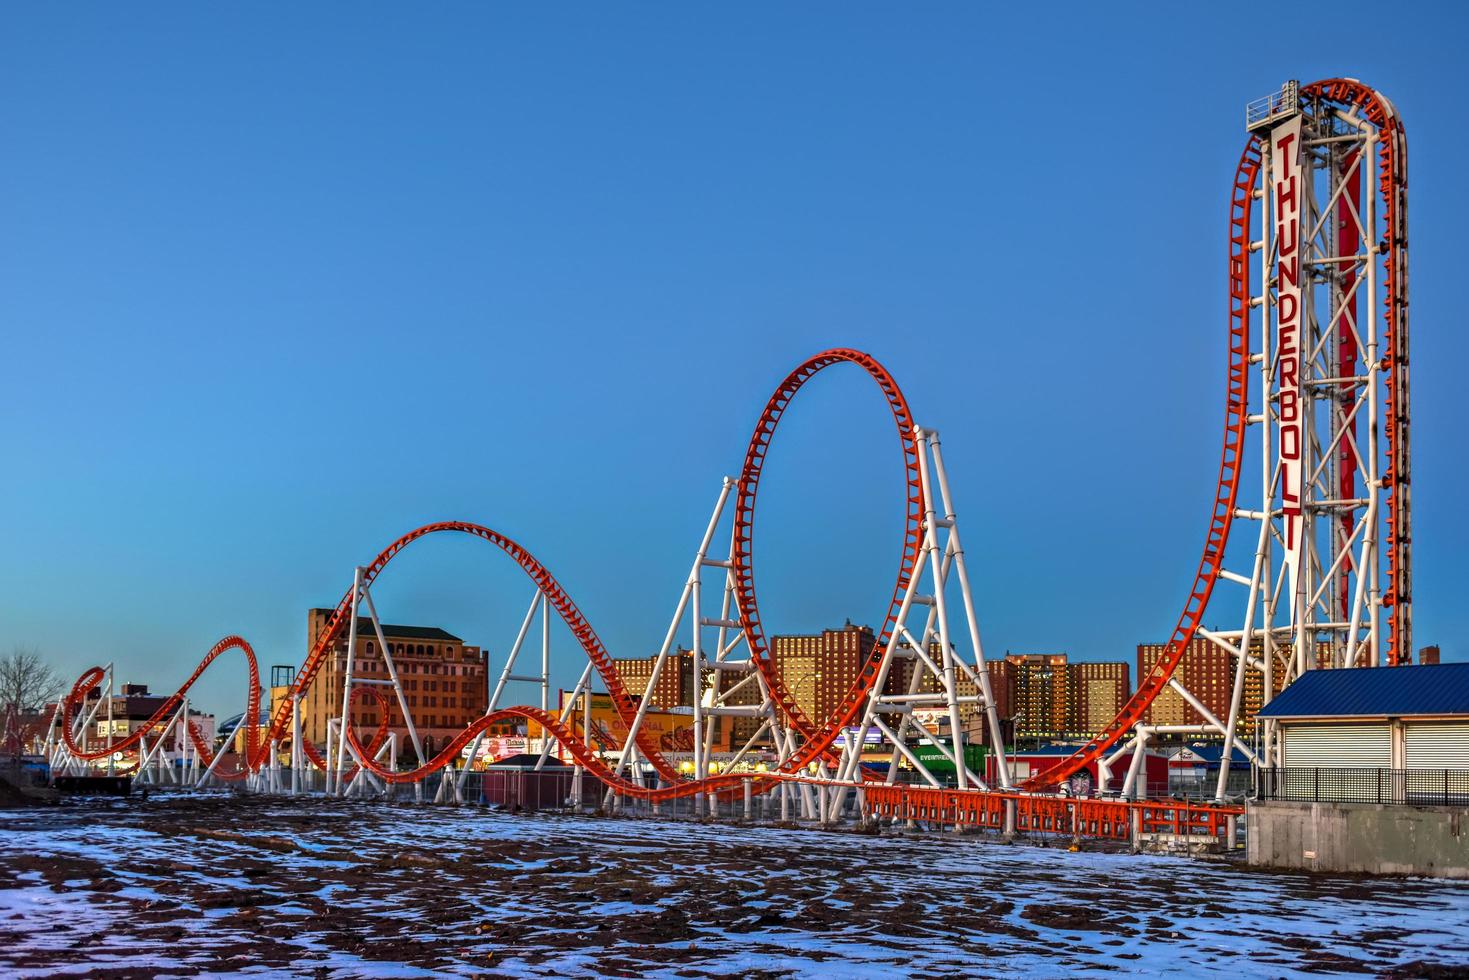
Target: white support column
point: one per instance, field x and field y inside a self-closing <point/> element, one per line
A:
<point x="545" y="653"/>
<point x="298" y="757"/>
<point x="1139" y="753"/>
<point x="331" y="759"/>
<point x="393" y="678"/>
<point x="701" y="763"/>
<point x="982" y="675"/>
<point x="49" y="745"/>
<point x="214" y="762"/>
<point x="492" y="697"/>
<point x="1370" y="567"/>
<point x="956" y="730"/>
<point x="341" y="754"/>
<point x="110" y="730"/>
<point x="686" y="599"/>
<point x="583" y="684"/>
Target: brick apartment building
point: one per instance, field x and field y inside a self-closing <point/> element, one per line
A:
<point x="1044" y="695"/>
<point x="675" y="685"/>
<point x="818" y="668"/>
<point x="1207" y="671"/>
<point x="1100" y="690"/>
<point x="444" y="682"/>
<point x="1037" y="696"/>
<point x="131" y="709"/>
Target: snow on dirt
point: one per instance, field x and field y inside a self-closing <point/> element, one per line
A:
<point x="244" y="886"/>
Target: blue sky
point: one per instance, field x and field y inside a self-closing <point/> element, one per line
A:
<point x="279" y="283"/>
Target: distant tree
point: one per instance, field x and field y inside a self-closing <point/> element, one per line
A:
<point x="27" y="682"/>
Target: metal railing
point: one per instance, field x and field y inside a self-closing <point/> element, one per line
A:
<point x="1399" y="787"/>
<point x="1280" y="103"/>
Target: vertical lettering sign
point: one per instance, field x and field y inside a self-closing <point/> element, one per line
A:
<point x="1288" y="183"/>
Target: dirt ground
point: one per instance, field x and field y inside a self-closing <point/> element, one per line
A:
<point x="224" y="885"/>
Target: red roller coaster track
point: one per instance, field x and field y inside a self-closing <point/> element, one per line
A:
<point x="1347" y="94"/>
<point x="91" y="680"/>
<point x="819" y="740"/>
<point x="819" y="737"/>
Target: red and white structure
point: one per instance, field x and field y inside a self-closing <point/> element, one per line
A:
<point x="1308" y="546"/>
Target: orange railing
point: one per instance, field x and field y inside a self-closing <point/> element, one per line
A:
<point x="1053" y="815"/>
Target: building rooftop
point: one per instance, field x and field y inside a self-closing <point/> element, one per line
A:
<point x="1212" y="752"/>
<point x="1375" y="692"/>
<point x="1014" y="751"/>
<point x="364" y="628"/>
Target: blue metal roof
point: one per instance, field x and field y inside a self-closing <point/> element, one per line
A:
<point x="1214" y="751"/>
<point x="1429" y="689"/>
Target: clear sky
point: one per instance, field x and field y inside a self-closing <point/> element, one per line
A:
<point x="281" y="282"/>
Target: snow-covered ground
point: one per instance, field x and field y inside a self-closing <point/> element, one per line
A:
<point x="183" y="886"/>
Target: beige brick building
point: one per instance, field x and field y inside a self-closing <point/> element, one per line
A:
<point x="444" y="682"/>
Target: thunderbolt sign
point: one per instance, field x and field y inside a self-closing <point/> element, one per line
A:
<point x="1285" y="173"/>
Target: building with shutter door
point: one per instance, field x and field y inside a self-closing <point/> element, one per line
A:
<point x="1374" y="717"/>
<point x="1370" y="773"/>
<point x="1435" y="745"/>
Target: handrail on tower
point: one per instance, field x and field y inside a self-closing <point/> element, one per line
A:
<point x="1265" y="111"/>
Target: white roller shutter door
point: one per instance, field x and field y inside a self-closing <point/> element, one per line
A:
<point x="1436" y="745"/>
<point x="1338" y="746"/>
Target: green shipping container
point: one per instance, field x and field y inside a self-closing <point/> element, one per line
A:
<point x="934" y="760"/>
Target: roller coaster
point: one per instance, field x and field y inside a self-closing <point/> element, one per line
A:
<point x="1316" y="429"/>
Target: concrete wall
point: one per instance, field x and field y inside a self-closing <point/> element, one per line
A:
<point x="1364" y="837"/>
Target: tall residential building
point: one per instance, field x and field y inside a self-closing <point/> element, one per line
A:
<point x="795" y="657"/>
<point x="1037" y="696"/>
<point x="1428" y="655"/>
<point x="1207" y="672"/>
<point x="839" y="660"/>
<point x="741" y="688"/>
<point x="676" y="689"/>
<point x="1101" y="689"/>
<point x="675" y="686"/>
<point x="971" y="712"/>
<point x="819" y="668"/>
<point x="1043" y="697"/>
<point x="444" y="682"/>
<point x="1002" y="687"/>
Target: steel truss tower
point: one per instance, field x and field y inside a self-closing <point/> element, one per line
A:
<point x="1313" y="552"/>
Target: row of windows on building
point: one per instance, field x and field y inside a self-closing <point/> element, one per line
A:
<point x="372" y="720"/>
<point x="366" y="666"/>
<point x="402" y="649"/>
